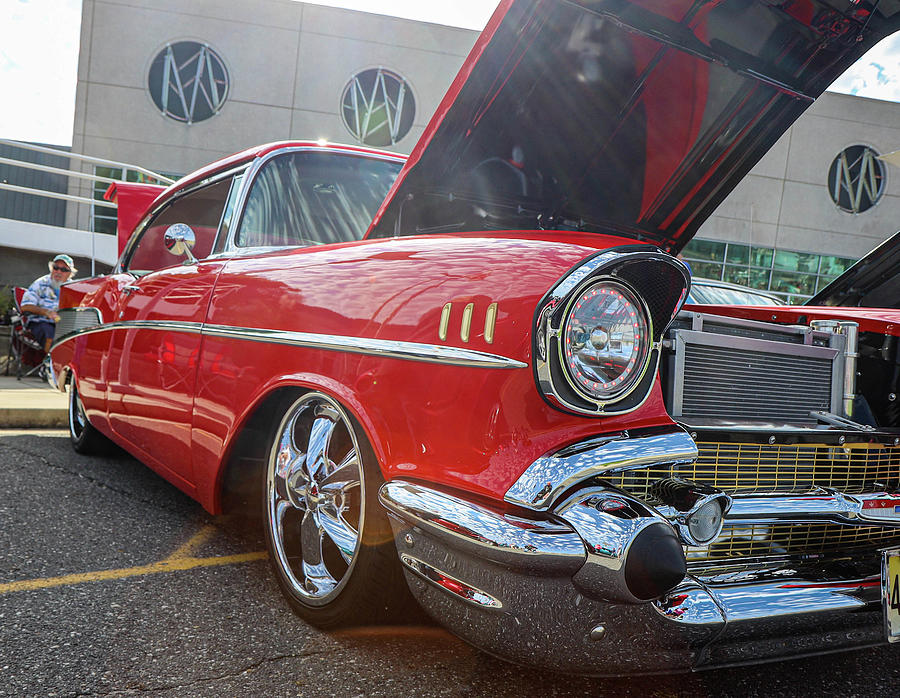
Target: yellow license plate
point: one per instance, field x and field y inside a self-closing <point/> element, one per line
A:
<point x="890" y="587"/>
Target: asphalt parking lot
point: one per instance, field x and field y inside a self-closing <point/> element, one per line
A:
<point x="114" y="583"/>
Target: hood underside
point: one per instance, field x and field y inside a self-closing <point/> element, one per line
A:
<point x="634" y="118"/>
<point x="873" y="282"/>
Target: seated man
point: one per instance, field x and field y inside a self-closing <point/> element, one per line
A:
<point x="41" y="300"/>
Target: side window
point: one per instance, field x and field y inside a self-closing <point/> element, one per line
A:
<point x="201" y="209"/>
<point x="314" y="198"/>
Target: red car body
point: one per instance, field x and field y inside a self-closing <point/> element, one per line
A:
<point x="441" y="344"/>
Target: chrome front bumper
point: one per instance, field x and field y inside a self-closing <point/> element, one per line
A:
<point x="549" y="587"/>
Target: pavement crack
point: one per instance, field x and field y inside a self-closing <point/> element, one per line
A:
<point x="137" y="687"/>
<point x="88" y="478"/>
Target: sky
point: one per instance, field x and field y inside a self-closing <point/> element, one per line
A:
<point x="39" y="59"/>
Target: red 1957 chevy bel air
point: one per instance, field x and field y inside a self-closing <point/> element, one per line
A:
<point x="467" y="376"/>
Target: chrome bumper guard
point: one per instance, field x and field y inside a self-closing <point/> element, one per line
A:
<point x="508" y="579"/>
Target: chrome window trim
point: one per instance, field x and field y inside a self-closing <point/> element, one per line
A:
<point x="547" y="478"/>
<point x="152" y="214"/>
<point x="410" y="351"/>
<point x="250" y="178"/>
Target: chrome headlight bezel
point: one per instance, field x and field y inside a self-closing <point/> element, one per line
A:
<point x="636" y="369"/>
<point x="657" y="285"/>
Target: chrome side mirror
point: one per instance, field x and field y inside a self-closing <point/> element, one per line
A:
<point x="179" y="239"/>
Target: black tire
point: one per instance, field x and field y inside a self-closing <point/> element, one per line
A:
<point x="84" y="437"/>
<point x="329" y="539"/>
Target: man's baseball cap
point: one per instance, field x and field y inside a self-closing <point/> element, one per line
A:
<point x="66" y="259"/>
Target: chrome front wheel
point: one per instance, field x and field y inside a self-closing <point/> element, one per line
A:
<point x="329" y="538"/>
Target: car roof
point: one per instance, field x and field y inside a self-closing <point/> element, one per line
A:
<point x="246" y="156"/>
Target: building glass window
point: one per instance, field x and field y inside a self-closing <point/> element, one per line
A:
<point x="834" y="266"/>
<point x="738" y="254"/>
<point x="705" y="249"/>
<point x="796" y="261"/>
<point x="188" y="81"/>
<point x="378" y="107"/>
<point x="103" y="218"/>
<point x="793" y="275"/>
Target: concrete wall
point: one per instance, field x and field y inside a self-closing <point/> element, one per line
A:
<point x="288" y="64"/>
<point x="784" y="201"/>
<point x="25" y="249"/>
<point x="19" y="267"/>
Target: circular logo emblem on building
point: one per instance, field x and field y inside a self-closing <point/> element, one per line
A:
<point x="378" y="107"/>
<point x="856" y="179"/>
<point x="188" y="81"/>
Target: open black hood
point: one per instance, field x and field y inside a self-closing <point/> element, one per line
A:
<point x="635" y="118"/>
<point x="873" y="282"/>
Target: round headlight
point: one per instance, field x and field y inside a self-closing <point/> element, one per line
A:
<point x="606" y="340"/>
<point x="705" y="523"/>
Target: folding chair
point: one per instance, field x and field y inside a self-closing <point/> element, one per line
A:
<point x="25" y="352"/>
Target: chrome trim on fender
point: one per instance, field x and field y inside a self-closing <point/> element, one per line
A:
<point x="550" y="476"/>
<point x="187" y="327"/>
<point x="444" y="581"/>
<point x="532" y="544"/>
<point x="411" y="351"/>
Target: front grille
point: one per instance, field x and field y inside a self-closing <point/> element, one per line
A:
<point x="751" y="469"/>
<point x="742" y="468"/>
<point x="74" y="319"/>
<point x="741" y="543"/>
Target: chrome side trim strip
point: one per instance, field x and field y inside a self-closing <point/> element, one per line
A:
<point x="536" y="545"/>
<point x="550" y="476"/>
<point x="454" y="586"/>
<point x="188" y="327"/>
<point x="411" y="351"/>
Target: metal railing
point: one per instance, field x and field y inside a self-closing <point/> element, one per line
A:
<point x="124" y="167"/>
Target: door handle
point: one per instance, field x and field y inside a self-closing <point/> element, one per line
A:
<point x="128" y="289"/>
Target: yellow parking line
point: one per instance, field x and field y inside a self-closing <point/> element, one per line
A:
<point x="178" y="561"/>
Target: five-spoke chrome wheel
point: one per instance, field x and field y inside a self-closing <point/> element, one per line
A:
<point x="330" y="540"/>
<point x="316" y="498"/>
